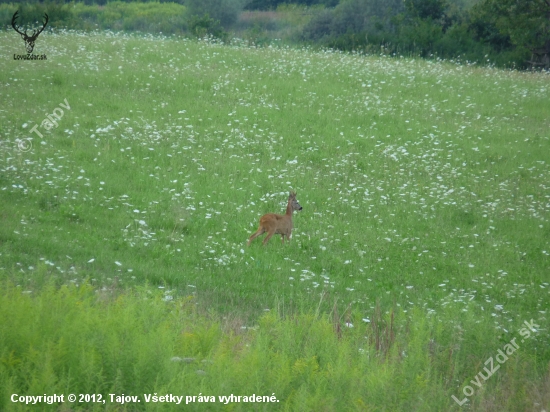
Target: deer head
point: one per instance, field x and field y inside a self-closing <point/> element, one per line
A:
<point x="29" y="40"/>
<point x="293" y="203"/>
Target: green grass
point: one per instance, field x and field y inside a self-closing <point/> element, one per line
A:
<point x="78" y="340"/>
<point x="425" y="188"/>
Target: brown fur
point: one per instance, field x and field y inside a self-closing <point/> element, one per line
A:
<point x="273" y="223"/>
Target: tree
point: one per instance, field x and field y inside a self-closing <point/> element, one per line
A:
<point x="527" y="22"/>
<point x="426" y="9"/>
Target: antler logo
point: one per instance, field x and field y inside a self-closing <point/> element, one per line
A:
<point x="29" y="40"/>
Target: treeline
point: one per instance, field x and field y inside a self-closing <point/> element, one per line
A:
<point x="501" y="32"/>
<point x="505" y="33"/>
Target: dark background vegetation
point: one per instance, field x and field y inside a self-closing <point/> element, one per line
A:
<point x="504" y="33"/>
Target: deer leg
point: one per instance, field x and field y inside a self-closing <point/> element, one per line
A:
<point x="268" y="237"/>
<point x="282" y="239"/>
<point x="260" y="231"/>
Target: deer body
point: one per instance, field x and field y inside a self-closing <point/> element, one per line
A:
<point x="273" y="223"/>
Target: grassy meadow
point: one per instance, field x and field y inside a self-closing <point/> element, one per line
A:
<point x="422" y="248"/>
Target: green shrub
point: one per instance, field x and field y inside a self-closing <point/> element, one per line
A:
<point x="226" y="12"/>
<point x="206" y="26"/>
<point x="79" y="340"/>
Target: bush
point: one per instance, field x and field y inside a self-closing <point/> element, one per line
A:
<point x="353" y="19"/>
<point x="226" y="12"/>
<point x="320" y="27"/>
<point x="421" y="37"/>
<point x="205" y="25"/>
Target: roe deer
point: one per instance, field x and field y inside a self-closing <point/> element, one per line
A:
<point x="273" y="223"/>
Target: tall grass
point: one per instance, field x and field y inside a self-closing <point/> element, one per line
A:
<point x="425" y="194"/>
<point x="83" y="341"/>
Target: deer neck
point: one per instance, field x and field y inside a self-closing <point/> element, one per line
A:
<point x="289" y="209"/>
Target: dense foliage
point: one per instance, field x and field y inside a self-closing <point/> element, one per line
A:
<point x="512" y="33"/>
<point x="483" y="32"/>
<point x="274" y="4"/>
<point x="525" y="22"/>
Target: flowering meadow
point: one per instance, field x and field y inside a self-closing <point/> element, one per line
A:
<point x="133" y="169"/>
